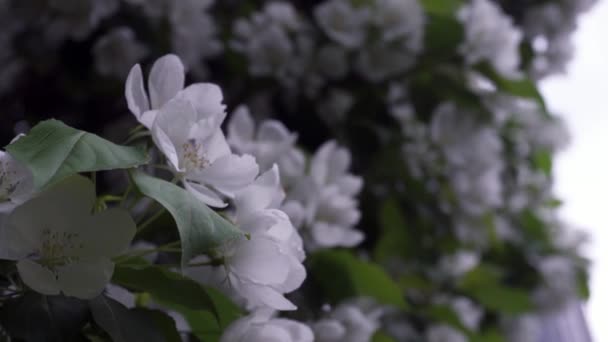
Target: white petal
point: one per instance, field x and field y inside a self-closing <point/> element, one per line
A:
<point x="260" y="260"/>
<point x="241" y="127"/>
<point x="108" y="233"/>
<point x="296" y="277"/>
<point x="349" y="185"/>
<point x="266" y="296"/>
<point x="319" y="165"/>
<point x="230" y="173"/>
<point x="205" y="195"/>
<point x="206" y="98"/>
<point x="274" y="131"/>
<point x="166" y="80"/>
<point x="260" y="194"/>
<point x="216" y="146"/>
<point x="64" y="207"/>
<point x="299" y="332"/>
<point x="166" y="146"/>
<point x="37" y="277"/>
<point x="85" y="279"/>
<point x="137" y="100"/>
<point x="147" y="118"/>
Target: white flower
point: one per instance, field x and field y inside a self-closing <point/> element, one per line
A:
<point x="327" y="201"/>
<point x="187" y="130"/>
<point x="268" y="143"/>
<point x="166" y="79"/>
<point x="258" y="270"/>
<point x="353" y="321"/>
<point x="60" y="247"/>
<point x="490" y="36"/>
<point x="444" y="333"/>
<point x="16" y="183"/>
<point x="472" y="151"/>
<point x="342" y="22"/>
<point x="260" y="326"/>
<point x="400" y="19"/>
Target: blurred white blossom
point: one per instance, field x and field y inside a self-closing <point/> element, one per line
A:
<point x="60" y="247"/>
<point x="260" y="326"/>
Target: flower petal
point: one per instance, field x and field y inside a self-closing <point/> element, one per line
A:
<point x="166" y="80"/>
<point x="206" y="98"/>
<point x="241" y="127"/>
<point x="38" y="277"/>
<point x="260" y="194"/>
<point x="259" y="260"/>
<point x="230" y="173"/>
<point x="137" y="100"/>
<point x="204" y="194"/>
<point x="85" y="279"/>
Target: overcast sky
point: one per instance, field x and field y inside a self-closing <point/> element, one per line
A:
<point x="582" y="169"/>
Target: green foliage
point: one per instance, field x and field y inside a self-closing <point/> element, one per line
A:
<point x="443" y="33"/>
<point x="207" y="310"/>
<point x="200" y="228"/>
<point x="484" y="284"/>
<point x="123" y="324"/>
<point x="341" y="276"/>
<point x="53" y="151"/>
<point x="394" y="239"/>
<point x="164" y="286"/>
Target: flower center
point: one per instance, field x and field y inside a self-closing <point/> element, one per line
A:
<point x="58" y="248"/>
<point x="194" y="155"/>
<point x="7" y="183"/>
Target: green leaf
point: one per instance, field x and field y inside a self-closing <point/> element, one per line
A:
<point x="380" y="336"/>
<point x="122" y="324"/>
<point x="481" y="276"/>
<point x="543" y="161"/>
<point x="35" y="317"/>
<point x="164" y="286"/>
<point x="504" y="299"/>
<point x="53" y="151"/>
<point x="341" y="275"/>
<point x="523" y="87"/>
<point x="204" y="324"/>
<point x="393" y="241"/>
<point x="488" y="336"/>
<point x="164" y="323"/>
<point x="443" y="33"/>
<point x="200" y="228"/>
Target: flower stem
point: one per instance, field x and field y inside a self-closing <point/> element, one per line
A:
<point x="142" y="227"/>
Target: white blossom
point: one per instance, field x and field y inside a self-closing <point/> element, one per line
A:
<point x="354" y="321"/>
<point x="473" y="154"/>
<point x="490" y="36"/>
<point x="60" y="247"/>
<point x="400" y="19"/>
<point x="268" y="142"/>
<point x="187" y="130"/>
<point x="444" y="333"/>
<point x="325" y="200"/>
<point x="260" y="326"/>
<point x="166" y="79"/>
<point x="257" y="271"/>
<point x="343" y="22"/>
<point x="16" y="183"/>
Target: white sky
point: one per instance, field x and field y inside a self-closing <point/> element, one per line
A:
<point x="582" y="169"/>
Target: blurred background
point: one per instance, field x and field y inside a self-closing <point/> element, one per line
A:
<point x="453" y="111"/>
<point x="581" y="168"/>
